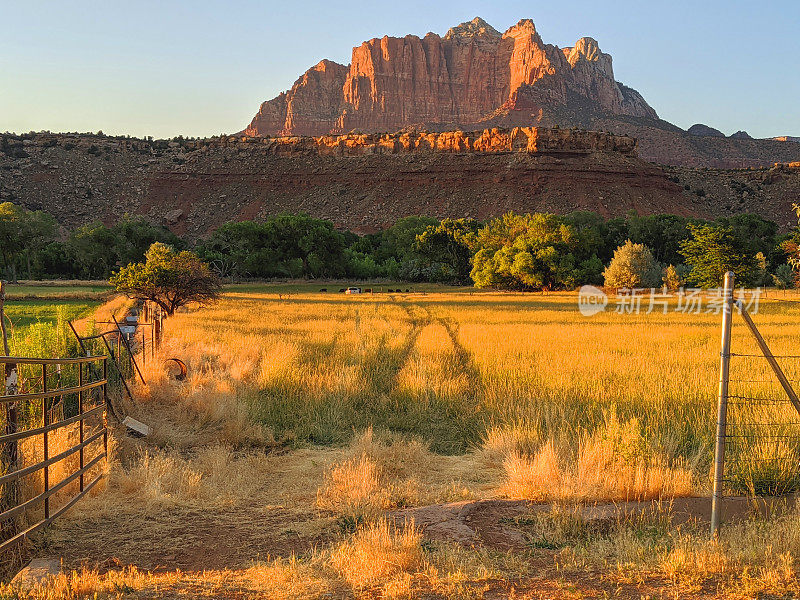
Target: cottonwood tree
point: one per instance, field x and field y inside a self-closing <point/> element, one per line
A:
<point x="525" y="252"/>
<point x="711" y="252"/>
<point x="170" y="279"/>
<point x="447" y="249"/>
<point x="633" y="266"/>
<point x="22" y="233"/>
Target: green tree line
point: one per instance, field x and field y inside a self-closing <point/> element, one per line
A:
<point x="521" y="252"/>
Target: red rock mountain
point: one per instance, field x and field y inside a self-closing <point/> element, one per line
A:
<point x="475" y="77"/>
<point x="468" y="77"/>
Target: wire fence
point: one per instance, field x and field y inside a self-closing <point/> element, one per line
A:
<point x="762" y="440"/>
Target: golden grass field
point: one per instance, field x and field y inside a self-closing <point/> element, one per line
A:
<point x="308" y="418"/>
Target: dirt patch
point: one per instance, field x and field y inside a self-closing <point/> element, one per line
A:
<point x="189" y="540"/>
<point x="489" y="523"/>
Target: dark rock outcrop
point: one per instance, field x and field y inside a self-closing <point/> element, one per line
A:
<point x="701" y="130"/>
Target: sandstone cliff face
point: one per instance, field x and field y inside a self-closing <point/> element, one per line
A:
<point x="532" y="140"/>
<point x="464" y="78"/>
<point x="312" y="105"/>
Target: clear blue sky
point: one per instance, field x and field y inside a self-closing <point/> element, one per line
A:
<point x="165" y="68"/>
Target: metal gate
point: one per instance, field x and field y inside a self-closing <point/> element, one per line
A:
<point x="43" y="396"/>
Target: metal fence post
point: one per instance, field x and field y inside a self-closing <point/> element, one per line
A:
<point x="107" y="403"/>
<point x="46" y="422"/>
<point x="722" y="403"/>
<point x="80" y="424"/>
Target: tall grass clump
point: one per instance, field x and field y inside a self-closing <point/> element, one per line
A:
<point x="613" y="462"/>
<point x="377" y="553"/>
<point x="379" y="474"/>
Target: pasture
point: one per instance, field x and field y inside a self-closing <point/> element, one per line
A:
<point x="310" y="421"/>
<point x="37" y="313"/>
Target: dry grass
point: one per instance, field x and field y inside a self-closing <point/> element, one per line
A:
<point x="612" y="463"/>
<point x="214" y="475"/>
<point x="377" y="476"/>
<point x="377" y="553"/>
<point x="377" y="561"/>
<point x="351" y="406"/>
<point x="755" y="558"/>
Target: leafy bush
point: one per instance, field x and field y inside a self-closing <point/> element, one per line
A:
<point x="633" y="266"/>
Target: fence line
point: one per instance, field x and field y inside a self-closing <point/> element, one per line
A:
<point x="757" y="449"/>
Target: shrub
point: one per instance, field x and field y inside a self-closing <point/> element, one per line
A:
<point x="673" y="278"/>
<point x="784" y="277"/>
<point x="633" y="266"/>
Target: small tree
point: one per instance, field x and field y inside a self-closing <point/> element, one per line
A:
<point x="170" y="279"/>
<point x="784" y="277"/>
<point x="711" y="251"/>
<point x="762" y="276"/>
<point x="674" y="278"/>
<point x="11" y="236"/>
<point x="633" y="266"/>
<point x="792" y="246"/>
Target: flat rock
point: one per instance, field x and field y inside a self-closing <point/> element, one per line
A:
<point x="36" y="572"/>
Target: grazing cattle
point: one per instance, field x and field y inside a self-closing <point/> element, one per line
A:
<point x="342" y="290"/>
<point x="390" y="290"/>
<point x="324" y="290"/>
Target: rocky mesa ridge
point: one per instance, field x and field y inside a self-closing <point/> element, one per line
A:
<point x="367" y="182"/>
<point x="532" y="140"/>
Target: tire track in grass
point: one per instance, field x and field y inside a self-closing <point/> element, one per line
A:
<point x="418" y="323"/>
<point x="456" y="419"/>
